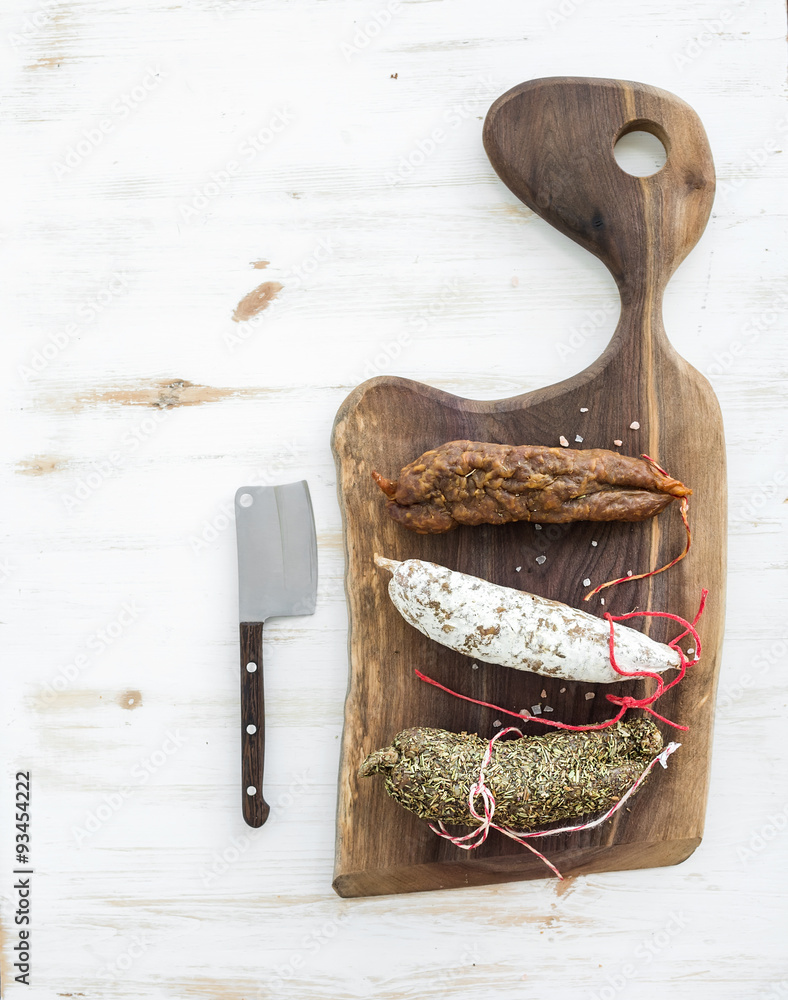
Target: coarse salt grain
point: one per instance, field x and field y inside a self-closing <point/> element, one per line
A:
<point x="536" y="709"/>
<point x="595" y="544"/>
<point x="635" y="426"/>
<point x="563" y="442"/>
<point x="562" y="690"/>
<point x="474" y="666"/>
<point x="590" y="695"/>
<point x="537" y="527"/>
<point x="601" y="600"/>
<point x="541" y="559"/>
<point x="517" y="569"/>
<point x="497" y="723"/>
<point x="578" y="438"/>
<point x="543" y="694"/>
<point x="618" y="443"/>
<point x="586" y="582"/>
<point x="584" y="409"/>
<point x="629" y="572"/>
<point x="547" y="708"/>
<point x="525" y="713"/>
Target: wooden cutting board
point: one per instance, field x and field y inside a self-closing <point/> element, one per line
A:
<point x="551" y="141"/>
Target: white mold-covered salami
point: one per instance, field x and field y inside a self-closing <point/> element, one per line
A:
<point x="515" y="629"/>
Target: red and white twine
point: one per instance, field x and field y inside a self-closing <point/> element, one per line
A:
<point x="625" y="702"/>
<point x="479" y="789"/>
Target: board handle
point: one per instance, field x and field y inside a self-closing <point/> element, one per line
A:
<point x="551" y="142"/>
<point x="255" y="808"/>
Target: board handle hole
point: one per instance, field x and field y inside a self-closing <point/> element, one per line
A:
<point x="641" y="149"/>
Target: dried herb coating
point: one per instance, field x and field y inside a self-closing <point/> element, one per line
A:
<point x="472" y="482"/>
<point x="535" y="780"/>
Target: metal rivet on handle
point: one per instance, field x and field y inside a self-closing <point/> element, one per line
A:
<point x="251" y="729"/>
<point x="251" y="790"/>
<point x="246" y="499"/>
<point x="251" y="667"/>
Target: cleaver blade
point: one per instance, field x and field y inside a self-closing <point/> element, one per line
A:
<point x="277" y="577"/>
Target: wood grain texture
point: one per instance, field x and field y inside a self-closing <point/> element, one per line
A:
<point x="255" y="808"/>
<point x="552" y="142"/>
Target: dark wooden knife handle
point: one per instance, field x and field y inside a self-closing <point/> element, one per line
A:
<point x="255" y="808"/>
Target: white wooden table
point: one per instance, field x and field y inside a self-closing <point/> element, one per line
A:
<point x="152" y="153"/>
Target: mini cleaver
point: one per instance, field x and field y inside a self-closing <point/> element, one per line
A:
<point x="277" y="577"/>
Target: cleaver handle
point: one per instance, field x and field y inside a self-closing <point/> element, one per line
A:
<point x="255" y="808"/>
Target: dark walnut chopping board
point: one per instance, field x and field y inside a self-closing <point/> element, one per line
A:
<point x="551" y="141"/>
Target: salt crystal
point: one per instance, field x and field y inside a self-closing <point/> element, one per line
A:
<point x="543" y="694"/>
<point x="578" y="438"/>
<point x="536" y="709"/>
<point x="547" y="708"/>
<point x="590" y="695"/>
<point x="541" y="559"/>
<point x="635" y="426"/>
<point x="474" y="666"/>
<point x="497" y="723"/>
<point x="525" y="713"/>
<point x="562" y="690"/>
<point x="584" y="409"/>
<point x="586" y="582"/>
<point x="601" y="600"/>
<point x="517" y="569"/>
<point x="595" y="544"/>
<point x="690" y="652"/>
<point x="537" y="527"/>
<point x="563" y="442"/>
<point x="629" y="572"/>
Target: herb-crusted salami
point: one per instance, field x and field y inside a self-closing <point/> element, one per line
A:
<point x="473" y="482"/>
<point x="516" y="629"/>
<point x="535" y="780"/>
